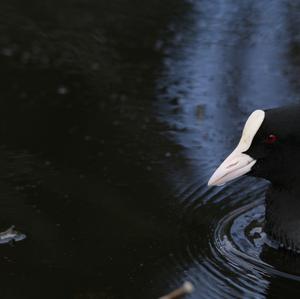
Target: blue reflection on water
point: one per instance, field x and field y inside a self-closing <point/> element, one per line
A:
<point x="227" y="59"/>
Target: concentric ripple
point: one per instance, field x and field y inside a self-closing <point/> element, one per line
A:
<point x="227" y="254"/>
<point x="232" y="267"/>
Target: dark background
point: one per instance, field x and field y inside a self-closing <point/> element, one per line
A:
<point x="81" y="150"/>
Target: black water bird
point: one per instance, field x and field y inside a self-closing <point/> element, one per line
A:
<point x="270" y="148"/>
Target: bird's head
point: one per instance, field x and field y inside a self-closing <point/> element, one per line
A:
<point x="269" y="148"/>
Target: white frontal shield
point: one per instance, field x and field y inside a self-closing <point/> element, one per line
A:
<point x="238" y="163"/>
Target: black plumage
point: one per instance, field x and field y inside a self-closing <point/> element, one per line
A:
<point x="275" y="150"/>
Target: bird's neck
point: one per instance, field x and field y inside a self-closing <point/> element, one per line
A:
<point x="283" y="215"/>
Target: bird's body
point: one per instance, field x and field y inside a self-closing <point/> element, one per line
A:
<point x="272" y="151"/>
<point x="283" y="217"/>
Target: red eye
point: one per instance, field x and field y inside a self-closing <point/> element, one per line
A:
<point x="271" y="139"/>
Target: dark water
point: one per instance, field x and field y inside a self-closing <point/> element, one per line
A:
<point x="113" y="115"/>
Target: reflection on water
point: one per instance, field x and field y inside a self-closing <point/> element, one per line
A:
<point x="227" y="59"/>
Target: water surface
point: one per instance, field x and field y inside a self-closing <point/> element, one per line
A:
<point x="113" y="116"/>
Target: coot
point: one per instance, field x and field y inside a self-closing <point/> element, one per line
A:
<point x="270" y="148"/>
